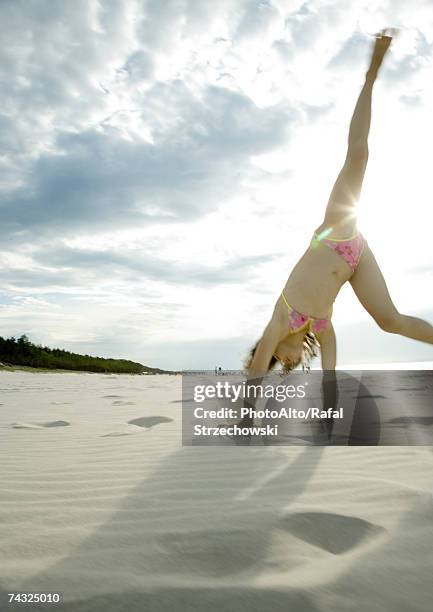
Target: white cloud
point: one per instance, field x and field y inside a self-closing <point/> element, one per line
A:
<point x="169" y="160"/>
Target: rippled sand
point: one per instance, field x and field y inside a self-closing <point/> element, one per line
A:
<point x="100" y="500"/>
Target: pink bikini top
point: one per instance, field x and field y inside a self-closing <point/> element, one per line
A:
<point x="349" y="249"/>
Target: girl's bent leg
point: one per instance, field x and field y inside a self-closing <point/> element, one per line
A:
<point x="371" y="290"/>
<point x="413" y="327"/>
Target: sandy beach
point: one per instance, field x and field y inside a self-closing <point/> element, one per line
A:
<point x="99" y="500"/>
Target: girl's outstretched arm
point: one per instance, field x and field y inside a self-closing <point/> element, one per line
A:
<point x="328" y="348"/>
<point x="267" y="345"/>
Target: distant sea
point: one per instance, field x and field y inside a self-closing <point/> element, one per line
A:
<point x="393" y="365"/>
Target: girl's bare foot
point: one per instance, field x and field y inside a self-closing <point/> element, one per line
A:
<point x="381" y="46"/>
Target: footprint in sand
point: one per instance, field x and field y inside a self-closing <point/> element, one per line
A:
<point x="40" y="425"/>
<point x="369" y="397"/>
<point x="208" y="553"/>
<point x="150" y="421"/>
<point x="335" y="533"/>
<point x="146" y="422"/>
<point x="117" y="435"/>
<point x="412" y="420"/>
<point x="425" y="388"/>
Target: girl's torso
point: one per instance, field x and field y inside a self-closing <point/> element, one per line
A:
<point x="328" y="262"/>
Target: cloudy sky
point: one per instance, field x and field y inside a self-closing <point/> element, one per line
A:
<point x="164" y="163"/>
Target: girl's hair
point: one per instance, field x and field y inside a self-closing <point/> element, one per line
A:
<point x="311" y="346"/>
<point x="309" y="351"/>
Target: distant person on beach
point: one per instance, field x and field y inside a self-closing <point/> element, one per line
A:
<point x="301" y="320"/>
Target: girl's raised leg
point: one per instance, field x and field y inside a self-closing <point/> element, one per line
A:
<point x="340" y="210"/>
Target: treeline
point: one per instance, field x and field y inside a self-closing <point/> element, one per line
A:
<point x="22" y="352"/>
